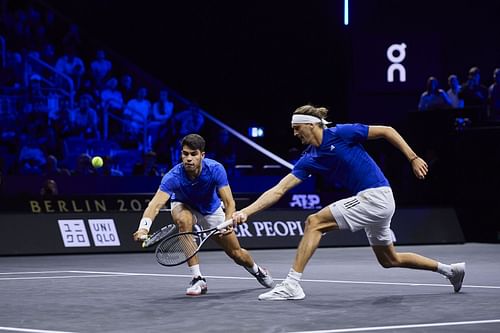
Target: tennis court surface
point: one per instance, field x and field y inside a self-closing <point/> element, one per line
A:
<point x="346" y="291"/>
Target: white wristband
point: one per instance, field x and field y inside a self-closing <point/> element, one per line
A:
<point x="145" y="223"/>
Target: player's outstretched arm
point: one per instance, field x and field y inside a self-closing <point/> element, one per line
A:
<point x="154" y="206"/>
<point x="418" y="165"/>
<point x="267" y="199"/>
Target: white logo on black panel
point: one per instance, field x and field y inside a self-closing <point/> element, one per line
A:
<point x="73" y="233"/>
<point x="396" y="53"/>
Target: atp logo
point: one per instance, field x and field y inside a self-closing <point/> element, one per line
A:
<point x="306" y="201"/>
<point x="396" y="53"/>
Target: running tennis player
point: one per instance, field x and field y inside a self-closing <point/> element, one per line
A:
<point x="338" y="156"/>
<point x="194" y="187"/>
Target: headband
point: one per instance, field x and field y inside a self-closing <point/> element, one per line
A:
<point x="307" y="119"/>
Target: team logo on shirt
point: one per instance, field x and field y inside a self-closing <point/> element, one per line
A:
<point x="332" y="147"/>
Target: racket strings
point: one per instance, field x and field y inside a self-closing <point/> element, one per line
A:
<point x="177" y="249"/>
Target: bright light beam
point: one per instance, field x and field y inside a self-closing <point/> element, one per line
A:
<point x="346" y="12"/>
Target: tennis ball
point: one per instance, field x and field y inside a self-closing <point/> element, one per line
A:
<point x="97" y="162"/>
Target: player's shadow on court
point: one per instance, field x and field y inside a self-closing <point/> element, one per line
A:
<point x="212" y="295"/>
<point x="346" y="302"/>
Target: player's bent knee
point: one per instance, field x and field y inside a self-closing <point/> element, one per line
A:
<point x="388" y="263"/>
<point x="184" y="224"/>
<point x="237" y="256"/>
<point x="314" y="223"/>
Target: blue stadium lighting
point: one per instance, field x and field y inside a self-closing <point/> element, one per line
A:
<point x="256" y="132"/>
<point x="346" y="12"/>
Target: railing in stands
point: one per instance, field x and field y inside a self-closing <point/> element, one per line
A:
<point x="55" y="80"/>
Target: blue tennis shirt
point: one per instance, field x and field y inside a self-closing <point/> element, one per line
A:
<point x="341" y="159"/>
<point x="199" y="193"/>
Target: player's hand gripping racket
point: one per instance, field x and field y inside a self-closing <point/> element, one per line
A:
<point x="158" y="235"/>
<point x="179" y="248"/>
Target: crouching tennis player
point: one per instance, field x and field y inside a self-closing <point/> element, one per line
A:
<point x="338" y="156"/>
<point x="193" y="186"/>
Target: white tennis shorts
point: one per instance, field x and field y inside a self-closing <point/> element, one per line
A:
<point x="205" y="221"/>
<point x="372" y="210"/>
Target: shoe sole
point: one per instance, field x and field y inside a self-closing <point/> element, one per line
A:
<point x="459" y="287"/>
<point x="266" y="285"/>
<point x="282" y="299"/>
<point x="203" y="291"/>
<point x="295" y="298"/>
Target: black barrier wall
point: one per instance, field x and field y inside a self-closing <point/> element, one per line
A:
<point x="110" y="232"/>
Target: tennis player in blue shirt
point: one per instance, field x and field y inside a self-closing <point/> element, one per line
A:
<point x="338" y="156"/>
<point x="195" y="188"/>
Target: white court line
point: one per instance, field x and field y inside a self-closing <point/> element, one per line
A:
<point x="17" y="329"/>
<point x="59" y="277"/>
<point x="37" y="272"/>
<point x="398" y="327"/>
<point x="96" y="274"/>
<point x="303" y="280"/>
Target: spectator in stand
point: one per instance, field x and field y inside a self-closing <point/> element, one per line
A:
<point x="108" y="168"/>
<point x="188" y="121"/>
<point x="473" y="92"/>
<point x="72" y="66"/>
<point x="433" y="98"/>
<point x="84" y="121"/>
<point x="112" y="107"/>
<point x="494" y="96"/>
<point x="453" y="91"/>
<point x="100" y="68"/>
<point x="52" y="169"/>
<point x="185" y="122"/>
<point x="61" y="123"/>
<point x="49" y="189"/>
<point x="162" y="113"/>
<point x="84" y="166"/>
<point x="136" y="114"/>
<point x="31" y="158"/>
<point x="148" y="166"/>
<point x="127" y="87"/>
<point x="163" y="108"/>
<point x="224" y="150"/>
<point x="72" y="39"/>
<point x="111" y="97"/>
<point x="48" y="54"/>
<point x="36" y="103"/>
<point x="12" y="75"/>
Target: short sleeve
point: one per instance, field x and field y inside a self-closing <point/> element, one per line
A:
<point x="356" y="133"/>
<point x="220" y="176"/>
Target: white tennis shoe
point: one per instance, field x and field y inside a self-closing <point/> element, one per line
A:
<point x="197" y="286"/>
<point x="283" y="291"/>
<point x="457" y="278"/>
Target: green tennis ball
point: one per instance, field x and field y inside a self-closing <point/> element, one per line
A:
<point x="97" y="162"/>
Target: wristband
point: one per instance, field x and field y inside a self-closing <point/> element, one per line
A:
<point x="145" y="223"/>
<point x="413" y="159"/>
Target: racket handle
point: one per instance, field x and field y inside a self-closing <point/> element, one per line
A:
<point x="225" y="224"/>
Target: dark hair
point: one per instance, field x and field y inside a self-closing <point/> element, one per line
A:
<point x="194" y="141"/>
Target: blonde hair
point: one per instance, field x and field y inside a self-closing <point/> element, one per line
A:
<point x="319" y="112"/>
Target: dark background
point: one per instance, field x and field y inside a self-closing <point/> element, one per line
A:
<point x="254" y="62"/>
<point x="245" y="62"/>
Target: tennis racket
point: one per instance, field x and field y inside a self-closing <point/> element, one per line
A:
<point x="179" y="248"/>
<point x="158" y="235"/>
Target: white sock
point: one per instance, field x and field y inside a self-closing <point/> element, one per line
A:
<point x="444" y="269"/>
<point x="253" y="269"/>
<point x="195" y="270"/>
<point x="293" y="277"/>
